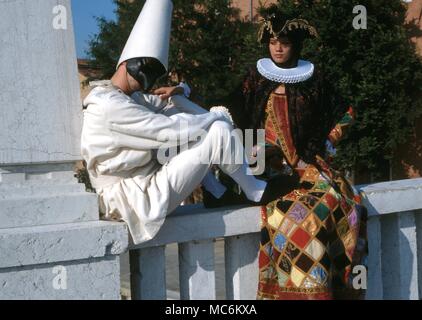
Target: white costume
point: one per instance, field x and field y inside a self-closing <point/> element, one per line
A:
<point x="121" y="136"/>
<point x="119" y="141"/>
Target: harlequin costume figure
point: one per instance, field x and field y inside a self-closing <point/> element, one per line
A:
<point x="313" y="236"/>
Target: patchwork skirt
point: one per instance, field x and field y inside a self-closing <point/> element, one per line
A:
<point x="311" y="240"/>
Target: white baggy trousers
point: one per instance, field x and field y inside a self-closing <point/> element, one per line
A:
<point x="186" y="170"/>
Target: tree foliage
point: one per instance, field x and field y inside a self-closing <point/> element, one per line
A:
<point x="210" y="44"/>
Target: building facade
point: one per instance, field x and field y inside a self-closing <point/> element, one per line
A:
<point x="249" y="7"/>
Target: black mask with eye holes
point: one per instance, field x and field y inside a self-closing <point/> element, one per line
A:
<point x="146" y="71"/>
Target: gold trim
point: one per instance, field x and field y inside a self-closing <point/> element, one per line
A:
<point x="292" y="159"/>
<point x="300" y="290"/>
<point x="290" y="25"/>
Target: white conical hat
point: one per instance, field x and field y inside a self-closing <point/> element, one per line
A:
<point x="150" y="37"/>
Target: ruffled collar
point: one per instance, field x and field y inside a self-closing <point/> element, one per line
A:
<point x="269" y="70"/>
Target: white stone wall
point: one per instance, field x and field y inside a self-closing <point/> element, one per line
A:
<point x="40" y="99"/>
<point x="47" y="219"/>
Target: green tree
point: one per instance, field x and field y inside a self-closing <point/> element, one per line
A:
<point x="210" y="44"/>
<point x="106" y="46"/>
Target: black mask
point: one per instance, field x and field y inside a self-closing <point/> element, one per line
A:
<point x="146" y="71"/>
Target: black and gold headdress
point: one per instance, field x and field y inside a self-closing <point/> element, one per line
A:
<point x="277" y="25"/>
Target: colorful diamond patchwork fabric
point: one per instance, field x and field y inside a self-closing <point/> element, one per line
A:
<point x="309" y="244"/>
<point x="312" y="237"/>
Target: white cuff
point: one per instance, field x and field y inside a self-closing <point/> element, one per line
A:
<point x="186" y="89"/>
<point x="223" y="111"/>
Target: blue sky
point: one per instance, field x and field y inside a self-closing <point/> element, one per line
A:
<point x="84" y="13"/>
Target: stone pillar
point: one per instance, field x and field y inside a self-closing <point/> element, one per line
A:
<point x="52" y="244"/>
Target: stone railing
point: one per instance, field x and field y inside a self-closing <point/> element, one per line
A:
<point x="194" y="229"/>
<point x="395" y="239"/>
<point x="395" y="244"/>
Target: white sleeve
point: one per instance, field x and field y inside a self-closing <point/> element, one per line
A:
<point x="180" y="104"/>
<point x="152" y="102"/>
<point x="137" y="127"/>
<point x="185" y="105"/>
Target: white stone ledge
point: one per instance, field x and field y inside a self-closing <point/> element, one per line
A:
<point x="194" y="222"/>
<point x="48" y="209"/>
<point x="36" y="177"/>
<point x="393" y="196"/>
<point x="59" y="243"/>
<point x="89" y="279"/>
<point x="37" y="189"/>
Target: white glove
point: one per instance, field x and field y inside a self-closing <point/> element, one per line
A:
<point x="224" y="112"/>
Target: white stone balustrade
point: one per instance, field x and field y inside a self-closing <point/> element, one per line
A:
<point x="394" y="234"/>
<point x="395" y="239"/>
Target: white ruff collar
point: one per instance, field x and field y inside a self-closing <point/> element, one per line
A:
<point x="268" y="69"/>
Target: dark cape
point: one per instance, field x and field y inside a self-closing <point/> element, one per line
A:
<point x="314" y="110"/>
